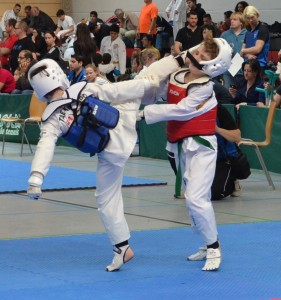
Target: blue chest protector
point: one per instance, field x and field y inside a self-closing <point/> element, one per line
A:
<point x="89" y="132"/>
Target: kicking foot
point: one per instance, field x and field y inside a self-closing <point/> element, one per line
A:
<point x="213" y="259"/>
<point x="121" y="256"/>
<point x="200" y="255"/>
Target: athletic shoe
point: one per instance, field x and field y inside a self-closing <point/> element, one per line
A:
<point x="200" y="255"/>
<point x="237" y="189"/>
<point x="121" y="256"/>
<point x="213" y="259"/>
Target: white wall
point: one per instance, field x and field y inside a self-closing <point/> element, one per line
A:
<point x="270" y="9"/>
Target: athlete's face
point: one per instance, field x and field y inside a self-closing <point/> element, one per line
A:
<point x="199" y="54"/>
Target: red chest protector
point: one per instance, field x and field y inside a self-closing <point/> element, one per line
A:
<point x="201" y="125"/>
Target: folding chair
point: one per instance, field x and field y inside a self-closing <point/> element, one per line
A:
<point x="265" y="143"/>
<point x="36" y="109"/>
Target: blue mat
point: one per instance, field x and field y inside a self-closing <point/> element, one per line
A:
<point x="15" y="176"/>
<point x="72" y="267"/>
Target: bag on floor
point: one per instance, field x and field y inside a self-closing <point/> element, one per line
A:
<point x="241" y="166"/>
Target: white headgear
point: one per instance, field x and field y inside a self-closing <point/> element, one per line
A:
<point x="219" y="64"/>
<point x="45" y="76"/>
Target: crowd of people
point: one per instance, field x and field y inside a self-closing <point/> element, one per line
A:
<point x="86" y="57"/>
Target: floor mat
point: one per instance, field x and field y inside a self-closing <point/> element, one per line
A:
<point x="72" y="267"/>
<point x="15" y="175"/>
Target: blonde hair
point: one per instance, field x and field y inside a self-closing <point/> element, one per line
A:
<point x="240" y="16"/>
<point x="250" y="11"/>
<point x="93" y="67"/>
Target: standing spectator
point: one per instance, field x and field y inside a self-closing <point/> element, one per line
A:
<point x="40" y="46"/>
<point x="77" y="71"/>
<point x="147" y="43"/>
<point x="66" y="25"/>
<point x="7" y="45"/>
<point x="147" y="19"/>
<point x="194" y="7"/>
<point x="235" y="37"/>
<point x="10" y="14"/>
<point x="176" y="13"/>
<point x="85" y="45"/>
<point x="190" y="35"/>
<point x="240" y="6"/>
<point x="41" y="20"/>
<point x="23" y="43"/>
<point x="128" y="23"/>
<point x="245" y="93"/>
<point x="256" y="43"/>
<point x="116" y="48"/>
<point x="7" y="81"/>
<point x="164" y="35"/>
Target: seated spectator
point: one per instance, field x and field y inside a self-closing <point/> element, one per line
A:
<point x="148" y="57"/>
<point x="207" y="20"/>
<point x="128" y="23"/>
<point x="10" y="14"/>
<point x="136" y="65"/>
<point x="225" y="25"/>
<point x="66" y="25"/>
<point x="41" y="20"/>
<point x="208" y="31"/>
<point x="147" y="42"/>
<point x="28" y="15"/>
<point x="116" y="48"/>
<point x="240" y="6"/>
<point x="107" y="68"/>
<point x="93" y="75"/>
<point x="245" y="93"/>
<point x="40" y="46"/>
<point x="77" y="71"/>
<point x="85" y="45"/>
<point x="26" y="61"/>
<point x="7" y="81"/>
<point x="277" y="96"/>
<point x="53" y="51"/>
<point x="193" y="6"/>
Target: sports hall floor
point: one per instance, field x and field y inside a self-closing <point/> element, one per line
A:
<point x="55" y="248"/>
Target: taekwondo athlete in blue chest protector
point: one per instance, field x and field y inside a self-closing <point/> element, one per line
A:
<point x="51" y="85"/>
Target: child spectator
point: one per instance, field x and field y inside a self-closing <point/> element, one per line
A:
<point x="107" y="68"/>
<point x="93" y="75"/>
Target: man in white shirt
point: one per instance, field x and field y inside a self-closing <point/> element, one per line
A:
<point x="10" y="14"/>
<point x="176" y="12"/>
<point x="66" y="25"/>
<point x="116" y="48"/>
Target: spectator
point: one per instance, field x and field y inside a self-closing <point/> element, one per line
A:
<point x="240" y="6"/>
<point x="228" y="135"/>
<point x="116" y="48"/>
<point x="10" y="14"/>
<point x="256" y="43"/>
<point x="207" y="20"/>
<point x="194" y="7"/>
<point x="235" y="37"/>
<point x="190" y="35"/>
<point x="85" y="45"/>
<point x="77" y="71"/>
<point x="28" y="15"/>
<point x="176" y="13"/>
<point x="164" y="35"/>
<point x="128" y="23"/>
<point x="26" y="61"/>
<point x="53" y="51"/>
<point x="147" y="43"/>
<point x="148" y="57"/>
<point x="41" y="20"/>
<point x="7" y="45"/>
<point x="147" y="19"/>
<point x="277" y="96"/>
<point x="208" y="31"/>
<point x="7" y="81"/>
<point x="40" y="46"/>
<point x="23" y="43"/>
<point x="106" y="67"/>
<point x="93" y="75"/>
<point x="245" y="93"/>
<point x="225" y="25"/>
<point x="136" y="65"/>
<point x="66" y="25"/>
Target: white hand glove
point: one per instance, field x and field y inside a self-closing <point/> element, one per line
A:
<point x="35" y="183"/>
<point x="34" y="192"/>
<point x="140" y="115"/>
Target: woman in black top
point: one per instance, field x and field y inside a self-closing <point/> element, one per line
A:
<point x="85" y="45"/>
<point x="39" y="43"/>
<point x="53" y="51"/>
